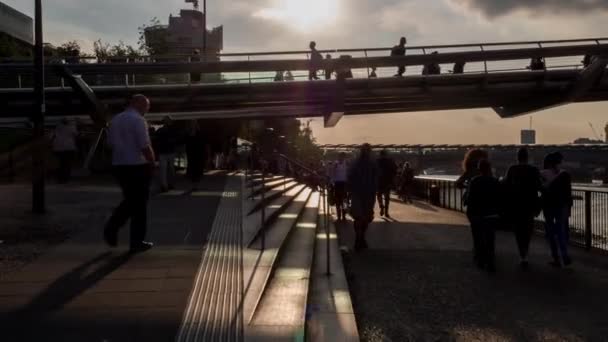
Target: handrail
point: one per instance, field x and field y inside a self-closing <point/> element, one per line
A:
<point x="336" y="50"/>
<point x="301" y="166"/>
<point x="450" y="180"/>
<point x="467" y="146"/>
<point x="304" y="64"/>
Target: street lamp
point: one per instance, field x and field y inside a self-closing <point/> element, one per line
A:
<point x="38" y="162"/>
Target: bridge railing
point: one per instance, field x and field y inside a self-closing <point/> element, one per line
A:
<point x="255" y="67"/>
<point x="588" y="223"/>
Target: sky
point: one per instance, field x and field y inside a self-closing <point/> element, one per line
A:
<point x="263" y="25"/>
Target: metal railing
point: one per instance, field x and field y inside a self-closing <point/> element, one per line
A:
<point x="301" y="173"/>
<point x="588" y="223"/>
<point x="255" y="66"/>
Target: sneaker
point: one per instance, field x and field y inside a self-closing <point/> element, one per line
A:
<point x="141" y="247"/>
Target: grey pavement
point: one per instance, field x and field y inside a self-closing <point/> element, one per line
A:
<point x="417" y="283"/>
<point x="81" y="290"/>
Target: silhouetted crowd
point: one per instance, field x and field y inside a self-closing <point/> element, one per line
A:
<point x="516" y="201"/>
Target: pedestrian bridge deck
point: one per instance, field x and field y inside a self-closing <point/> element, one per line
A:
<point x="416" y="281"/>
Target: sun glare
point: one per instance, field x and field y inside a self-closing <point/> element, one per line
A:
<point x="302" y="15"/>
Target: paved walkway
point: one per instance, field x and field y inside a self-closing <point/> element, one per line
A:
<point x="83" y="291"/>
<point x="417" y="283"/>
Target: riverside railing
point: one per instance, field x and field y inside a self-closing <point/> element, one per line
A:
<point x="588" y="223"/>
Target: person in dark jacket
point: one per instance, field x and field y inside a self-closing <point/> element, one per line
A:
<point x="399" y="50"/>
<point x="363" y="184"/>
<point x="484" y="206"/>
<point x="522" y="185"/>
<point x="387" y="170"/>
<point x="315" y="61"/>
<point x="557" y="207"/>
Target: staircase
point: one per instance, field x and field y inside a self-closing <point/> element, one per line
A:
<point x="287" y="293"/>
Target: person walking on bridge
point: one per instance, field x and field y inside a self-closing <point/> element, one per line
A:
<point x="133" y="161"/>
<point x="64" y="147"/>
<point x="522" y="185"/>
<point x="399" y="51"/>
<point x="363" y="184"/>
<point x="315" y="61"/>
<point x="387" y="170"/>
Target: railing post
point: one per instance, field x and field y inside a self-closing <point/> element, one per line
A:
<point x="588" y="221"/>
<point x="366" y="62"/>
<point x="327" y="232"/>
<point x="485" y="63"/>
<point x="263" y="227"/>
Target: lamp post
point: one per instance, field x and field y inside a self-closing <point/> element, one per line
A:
<point x="38" y="162"/>
<point x="205" y="30"/>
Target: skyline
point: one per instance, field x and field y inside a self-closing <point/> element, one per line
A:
<point x="358" y="23"/>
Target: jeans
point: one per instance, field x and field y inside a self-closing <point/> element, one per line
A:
<point x="134" y="181"/>
<point x="167" y="170"/>
<point x="557" y="231"/>
<point x="384" y="199"/>
<point x="483" y="230"/>
<point x="523" y="226"/>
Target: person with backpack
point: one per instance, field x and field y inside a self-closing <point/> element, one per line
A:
<point x="484" y="206"/>
<point x="522" y="185"/>
<point x="399" y="50"/>
<point x="407" y="183"/>
<point x="432" y="68"/>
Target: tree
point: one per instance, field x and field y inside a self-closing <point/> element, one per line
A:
<point x="104" y="51"/>
<point x="153" y="38"/>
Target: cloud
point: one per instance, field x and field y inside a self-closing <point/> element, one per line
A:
<point x="496" y="8"/>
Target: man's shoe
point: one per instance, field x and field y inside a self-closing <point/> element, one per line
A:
<point x="110" y="238"/>
<point x="141" y="247"/>
<point x="381" y="211"/>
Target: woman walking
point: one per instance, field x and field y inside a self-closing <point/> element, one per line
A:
<point x="557" y="207"/>
<point x="470" y="167"/>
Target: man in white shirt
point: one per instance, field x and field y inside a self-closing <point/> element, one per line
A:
<point x="133" y="161"/>
<point x="64" y="148"/>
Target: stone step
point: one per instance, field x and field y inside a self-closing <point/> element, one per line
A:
<point x="252" y="224"/>
<point x="258" y="264"/>
<point x="282" y="308"/>
<point x="269" y="186"/>
<point x="331" y="316"/>
<point x="269" y="196"/>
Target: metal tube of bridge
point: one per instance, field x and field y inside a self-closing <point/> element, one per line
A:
<point x="38" y="163"/>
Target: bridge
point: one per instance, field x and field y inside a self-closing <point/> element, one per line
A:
<point x="495" y="76"/>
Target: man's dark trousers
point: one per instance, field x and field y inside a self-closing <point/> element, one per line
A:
<point x="134" y="180"/>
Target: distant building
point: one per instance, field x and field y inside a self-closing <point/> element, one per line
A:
<point x="186" y="32"/>
<point x="587" y="141"/>
<point x="16" y="32"/>
<point x="528" y="137"/>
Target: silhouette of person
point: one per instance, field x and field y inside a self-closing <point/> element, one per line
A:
<point x="195" y="77"/>
<point x="470" y="170"/>
<point x="557" y="204"/>
<point x="278" y="77"/>
<point x="65" y="148"/>
<point x="373" y="73"/>
<point x="362" y="184"/>
<point x="522" y="186"/>
<point x="328" y="72"/>
<point x="344" y="71"/>
<point x="407" y="182"/>
<point x="166" y="144"/>
<point x="399" y="50"/>
<point x="315" y="61"/>
<point x="133" y="160"/>
<point x="459" y="67"/>
<point x="387" y="170"/>
<point x="537" y="63"/>
<point x="289" y="76"/>
<point x="432" y="68"/>
<point x="484" y="206"/>
<point x="338" y="174"/>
